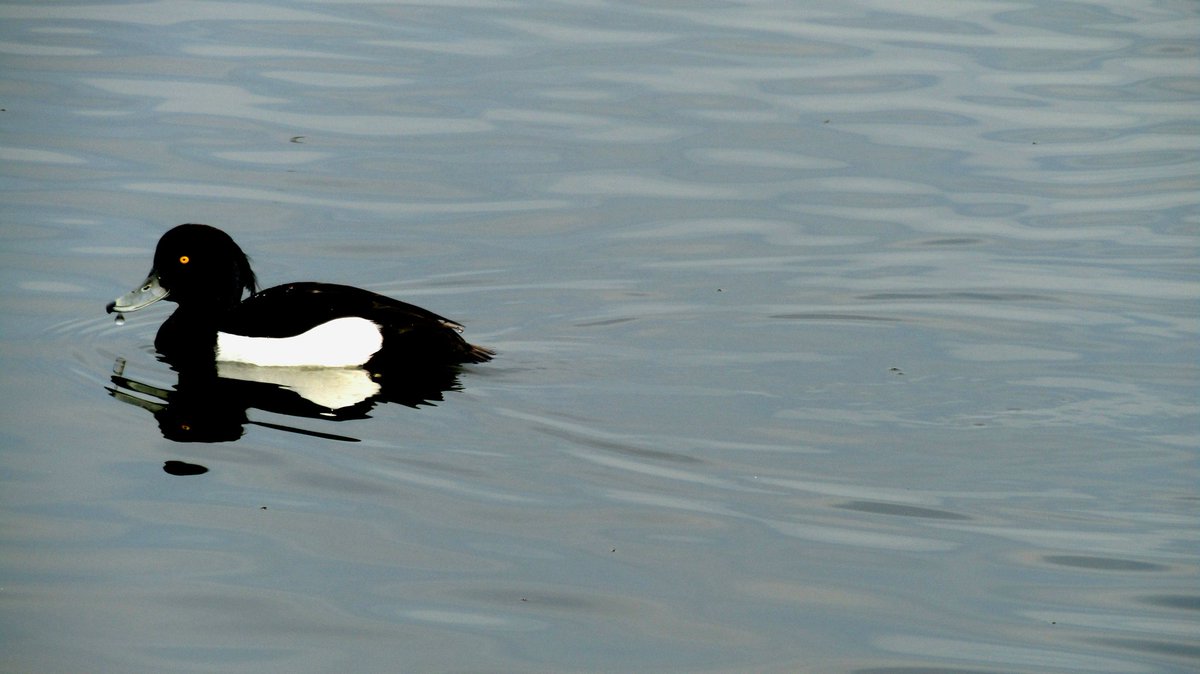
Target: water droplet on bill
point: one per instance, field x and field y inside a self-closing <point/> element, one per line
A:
<point x="120" y="320"/>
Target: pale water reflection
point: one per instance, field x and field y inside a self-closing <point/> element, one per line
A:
<point x="834" y="337"/>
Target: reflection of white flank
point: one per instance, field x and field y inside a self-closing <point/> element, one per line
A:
<point x="333" y="388"/>
<point x="342" y="342"/>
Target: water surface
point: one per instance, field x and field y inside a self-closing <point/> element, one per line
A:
<point x="834" y="337"/>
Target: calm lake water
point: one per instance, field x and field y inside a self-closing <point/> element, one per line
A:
<point x="834" y="337"/>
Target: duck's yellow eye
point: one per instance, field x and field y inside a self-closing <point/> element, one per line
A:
<point x="183" y="259"/>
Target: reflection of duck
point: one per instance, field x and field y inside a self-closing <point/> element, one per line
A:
<point x="297" y="324"/>
<point x="210" y="404"/>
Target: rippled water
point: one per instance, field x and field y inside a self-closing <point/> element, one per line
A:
<point x="834" y="337"/>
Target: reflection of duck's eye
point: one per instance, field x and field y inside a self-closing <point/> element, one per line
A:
<point x="183" y="259"/>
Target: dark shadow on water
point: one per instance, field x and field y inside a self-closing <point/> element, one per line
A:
<point x="829" y="316"/>
<point x="1097" y="563"/>
<point x="900" y="510"/>
<point x="183" y="469"/>
<point x="951" y="296"/>
<point x="1183" y="602"/>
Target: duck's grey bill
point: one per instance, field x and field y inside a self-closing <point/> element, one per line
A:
<point x="145" y="295"/>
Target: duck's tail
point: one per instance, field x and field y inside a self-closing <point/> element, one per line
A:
<point x="477" y="354"/>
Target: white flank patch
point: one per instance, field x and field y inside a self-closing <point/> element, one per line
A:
<point x="333" y="388"/>
<point x="342" y="342"/>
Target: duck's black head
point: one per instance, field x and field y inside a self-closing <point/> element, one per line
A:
<point x="196" y="266"/>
